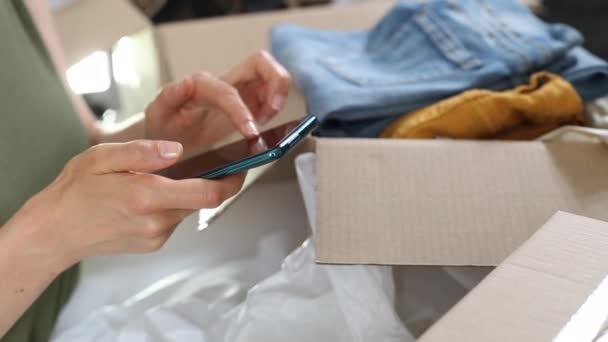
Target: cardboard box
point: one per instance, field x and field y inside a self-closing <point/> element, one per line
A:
<point x="553" y="288"/>
<point x="441" y="202"/>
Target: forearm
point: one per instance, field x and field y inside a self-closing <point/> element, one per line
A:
<point x="27" y="267"/>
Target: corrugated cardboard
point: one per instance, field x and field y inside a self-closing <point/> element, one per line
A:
<point x="553" y="288"/>
<point x="448" y="202"/>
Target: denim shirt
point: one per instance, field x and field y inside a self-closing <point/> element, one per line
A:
<point x="424" y="51"/>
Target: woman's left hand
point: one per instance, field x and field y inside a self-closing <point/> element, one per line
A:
<point x="202" y="109"/>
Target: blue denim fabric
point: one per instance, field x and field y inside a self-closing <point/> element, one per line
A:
<point x="422" y="52"/>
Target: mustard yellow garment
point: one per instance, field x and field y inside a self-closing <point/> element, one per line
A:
<point x="525" y="112"/>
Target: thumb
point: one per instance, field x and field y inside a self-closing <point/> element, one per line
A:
<point x="138" y="155"/>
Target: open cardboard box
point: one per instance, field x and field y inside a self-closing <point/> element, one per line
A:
<point x="553" y="288"/>
<point x="418" y="202"/>
<point x="442" y="202"/>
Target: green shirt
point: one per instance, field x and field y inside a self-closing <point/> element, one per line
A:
<point x="39" y="133"/>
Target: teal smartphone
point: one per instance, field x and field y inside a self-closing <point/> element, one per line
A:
<point x="246" y="154"/>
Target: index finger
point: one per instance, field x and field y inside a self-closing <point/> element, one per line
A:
<point x="262" y="65"/>
<point x="211" y="90"/>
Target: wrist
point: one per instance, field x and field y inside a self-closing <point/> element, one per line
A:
<point x="30" y="236"/>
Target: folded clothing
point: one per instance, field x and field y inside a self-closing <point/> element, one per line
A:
<point x="424" y="51"/>
<point x="526" y="112"/>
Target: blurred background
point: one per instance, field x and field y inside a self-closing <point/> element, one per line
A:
<point x="116" y="83"/>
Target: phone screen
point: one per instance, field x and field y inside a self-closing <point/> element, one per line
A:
<point x="197" y="165"/>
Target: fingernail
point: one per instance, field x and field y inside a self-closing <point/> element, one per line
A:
<point x="169" y="149"/>
<point x="251" y="129"/>
<point x="259" y="146"/>
<point x="278" y="102"/>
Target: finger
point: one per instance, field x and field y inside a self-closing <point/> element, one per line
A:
<point x="138" y="155"/>
<point x="194" y="194"/>
<point x="172" y="97"/>
<point x="250" y="94"/>
<point x="277" y="78"/>
<point x="211" y="90"/>
<point x="257" y="145"/>
<point x="262" y="65"/>
<point x="254" y="94"/>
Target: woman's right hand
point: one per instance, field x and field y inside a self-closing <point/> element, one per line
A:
<point x="104" y="202"/>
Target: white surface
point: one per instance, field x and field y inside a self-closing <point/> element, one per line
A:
<point x="262" y="226"/>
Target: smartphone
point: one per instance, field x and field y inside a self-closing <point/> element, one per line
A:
<point x="246" y="154"/>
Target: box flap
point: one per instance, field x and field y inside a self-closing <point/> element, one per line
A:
<point x="433" y="202"/>
<point x="553" y="288"/>
<point x="89" y="25"/>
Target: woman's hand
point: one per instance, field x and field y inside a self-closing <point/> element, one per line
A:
<point x="105" y="203"/>
<point x="262" y="83"/>
<point x="202" y="109"/>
